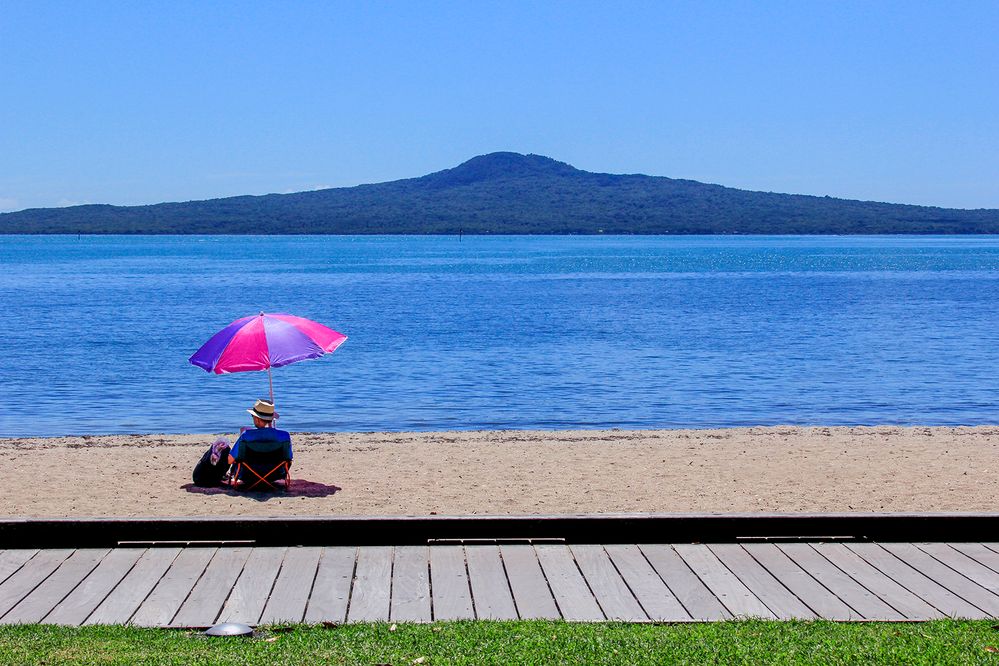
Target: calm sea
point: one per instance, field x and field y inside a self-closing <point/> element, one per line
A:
<point x="505" y="332"/>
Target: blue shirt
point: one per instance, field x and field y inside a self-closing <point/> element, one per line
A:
<point x="269" y="439"/>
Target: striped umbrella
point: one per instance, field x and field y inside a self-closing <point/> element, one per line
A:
<point x="265" y="341"/>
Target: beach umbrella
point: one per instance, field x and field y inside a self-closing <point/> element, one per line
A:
<point x="265" y="341"/>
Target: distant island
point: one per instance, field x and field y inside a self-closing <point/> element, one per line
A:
<point x="510" y="193"/>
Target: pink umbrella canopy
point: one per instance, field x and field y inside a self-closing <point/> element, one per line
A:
<point x="265" y="341"/>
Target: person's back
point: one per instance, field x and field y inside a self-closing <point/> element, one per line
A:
<point x="262" y="441"/>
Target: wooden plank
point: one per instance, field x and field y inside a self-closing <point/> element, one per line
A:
<point x="946" y="577"/>
<point x="249" y="596"/>
<point x="877" y="582"/>
<point x="652" y="593"/>
<point x="963" y="564"/>
<point x="867" y="604"/>
<point x="490" y="589"/>
<point x="994" y="547"/>
<point x="293" y="586"/>
<point x="371" y="598"/>
<point x="123" y="601"/>
<point x="331" y="591"/>
<point x="824" y="603"/>
<point x="12" y="560"/>
<point x="411" y="585"/>
<point x="781" y="602"/>
<point x="697" y="599"/>
<point x="166" y="598"/>
<point x="449" y="584"/>
<point x="19" y="584"/>
<point x="736" y="597"/>
<point x="56" y="587"/>
<point x="527" y="582"/>
<point x="612" y="593"/>
<point x="575" y="601"/>
<point x="980" y="553"/>
<point x="202" y="606"/>
<point x="82" y="601"/>
<point x="903" y="574"/>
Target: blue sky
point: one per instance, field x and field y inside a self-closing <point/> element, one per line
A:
<point x="140" y="102"/>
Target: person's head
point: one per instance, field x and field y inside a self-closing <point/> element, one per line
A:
<point x="262" y="412"/>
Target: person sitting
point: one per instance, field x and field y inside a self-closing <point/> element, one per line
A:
<point x="262" y="454"/>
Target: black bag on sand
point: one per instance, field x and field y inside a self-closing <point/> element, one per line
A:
<point x="207" y="475"/>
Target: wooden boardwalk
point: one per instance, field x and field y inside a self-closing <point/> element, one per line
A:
<point x="198" y="586"/>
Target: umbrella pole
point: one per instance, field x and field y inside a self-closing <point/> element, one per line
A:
<point x="270" y="384"/>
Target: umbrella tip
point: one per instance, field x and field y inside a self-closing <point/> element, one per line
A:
<point x="261" y="313"/>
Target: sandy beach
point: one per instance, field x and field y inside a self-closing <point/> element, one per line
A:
<point x="783" y="469"/>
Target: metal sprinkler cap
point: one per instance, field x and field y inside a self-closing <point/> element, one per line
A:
<point x="229" y="629"/>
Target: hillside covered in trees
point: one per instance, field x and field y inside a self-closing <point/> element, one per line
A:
<point x="509" y="193"/>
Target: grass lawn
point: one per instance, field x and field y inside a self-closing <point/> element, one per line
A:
<point x="748" y="642"/>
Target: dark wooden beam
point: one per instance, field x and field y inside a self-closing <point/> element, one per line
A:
<point x="403" y="530"/>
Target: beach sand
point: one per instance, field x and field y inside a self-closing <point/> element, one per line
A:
<point x="773" y="469"/>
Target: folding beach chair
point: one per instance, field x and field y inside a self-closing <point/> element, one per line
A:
<point x="263" y="465"/>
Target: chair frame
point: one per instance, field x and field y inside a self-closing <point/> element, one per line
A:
<point x="265" y="479"/>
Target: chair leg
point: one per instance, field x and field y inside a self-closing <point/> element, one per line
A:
<point x="266" y="478"/>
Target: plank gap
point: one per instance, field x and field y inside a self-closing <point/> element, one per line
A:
<point x="506" y="577"/>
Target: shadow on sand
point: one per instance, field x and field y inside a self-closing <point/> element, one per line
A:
<point x="299" y="488"/>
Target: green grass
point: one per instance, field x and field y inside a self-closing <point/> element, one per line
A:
<point x="744" y="642"/>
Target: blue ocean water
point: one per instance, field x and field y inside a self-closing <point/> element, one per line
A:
<point x="505" y="332"/>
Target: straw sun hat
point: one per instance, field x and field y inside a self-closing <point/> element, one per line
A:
<point x="263" y="409"/>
